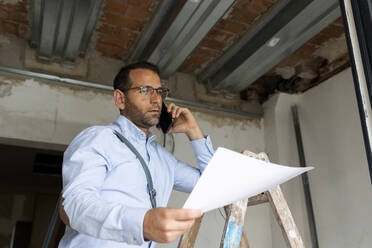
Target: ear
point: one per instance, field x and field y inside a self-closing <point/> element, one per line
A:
<point x="119" y="98"/>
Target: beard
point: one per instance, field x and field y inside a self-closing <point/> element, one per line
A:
<point x="141" y="117"/>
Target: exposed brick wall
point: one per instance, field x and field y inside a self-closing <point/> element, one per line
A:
<point x="120" y="25"/>
<point x="14" y="19"/>
<point x="268" y="83"/>
<point x="225" y="32"/>
<point x="306" y="51"/>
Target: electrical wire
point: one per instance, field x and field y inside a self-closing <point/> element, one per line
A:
<point x="172" y="142"/>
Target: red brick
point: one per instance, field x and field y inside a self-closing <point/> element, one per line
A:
<point x="212" y="44"/>
<point x="111" y="40"/>
<point x="305" y="51"/>
<point x="241" y="3"/>
<point x="186" y="67"/>
<point x="143" y="3"/>
<point x="318" y="39"/>
<point x="204" y="51"/>
<point x="106" y="29"/>
<point x="126" y="34"/>
<point x="104" y="48"/>
<point x="23" y="31"/>
<point x="113" y="19"/>
<point x="18" y="16"/>
<point x="20" y="6"/>
<point x="132" y="24"/>
<point x="137" y="13"/>
<point x="198" y="59"/>
<point x="244" y="15"/>
<point x="120" y="21"/>
<point x="3" y="14"/>
<point x="220" y="36"/>
<point x="245" y="5"/>
<point x="109" y="50"/>
<point x="339" y="22"/>
<point x="193" y="63"/>
<point x="10" y="28"/>
<point x="333" y="31"/>
<point x="118" y="52"/>
<point x="116" y="6"/>
<point x="153" y="4"/>
<point x="260" y="6"/>
<point x="230" y="26"/>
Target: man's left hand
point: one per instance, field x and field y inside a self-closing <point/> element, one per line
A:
<point x="184" y="122"/>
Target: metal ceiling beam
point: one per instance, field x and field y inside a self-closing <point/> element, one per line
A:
<point x="286" y="27"/>
<point x="63" y="28"/>
<point x="150" y="34"/>
<point x="49" y="13"/>
<point x="94" y="13"/>
<point x="191" y="25"/>
<point x="63" y="32"/>
<point x="36" y="23"/>
<point x="79" y="22"/>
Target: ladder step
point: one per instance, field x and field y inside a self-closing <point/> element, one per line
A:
<point x="258" y="199"/>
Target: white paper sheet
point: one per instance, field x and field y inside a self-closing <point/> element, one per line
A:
<point x="232" y="176"/>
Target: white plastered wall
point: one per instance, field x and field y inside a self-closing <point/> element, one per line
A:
<point x="45" y="111"/>
<point x="333" y="143"/>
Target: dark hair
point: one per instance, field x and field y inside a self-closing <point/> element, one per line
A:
<point x="122" y="80"/>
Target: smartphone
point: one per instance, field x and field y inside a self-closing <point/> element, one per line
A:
<point x="165" y="120"/>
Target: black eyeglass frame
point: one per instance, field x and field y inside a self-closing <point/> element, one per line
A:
<point x="145" y="89"/>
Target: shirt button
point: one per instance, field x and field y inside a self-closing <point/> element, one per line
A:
<point x="135" y="241"/>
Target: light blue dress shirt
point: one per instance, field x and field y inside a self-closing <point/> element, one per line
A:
<point x="105" y="187"/>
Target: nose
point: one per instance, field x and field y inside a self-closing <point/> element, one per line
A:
<point x="155" y="97"/>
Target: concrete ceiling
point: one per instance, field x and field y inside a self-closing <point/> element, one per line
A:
<point x="251" y="47"/>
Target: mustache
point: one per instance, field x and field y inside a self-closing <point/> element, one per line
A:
<point x="155" y="107"/>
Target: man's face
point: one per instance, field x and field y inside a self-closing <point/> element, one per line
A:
<point x="142" y="110"/>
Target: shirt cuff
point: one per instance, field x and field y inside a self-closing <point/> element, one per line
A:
<point x="202" y="146"/>
<point x="133" y="219"/>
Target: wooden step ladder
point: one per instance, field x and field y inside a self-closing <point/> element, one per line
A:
<point x="233" y="235"/>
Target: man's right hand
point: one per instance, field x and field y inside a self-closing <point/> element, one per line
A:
<point x="166" y="224"/>
<point x="62" y="213"/>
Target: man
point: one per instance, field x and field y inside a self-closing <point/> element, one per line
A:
<point x="105" y="194"/>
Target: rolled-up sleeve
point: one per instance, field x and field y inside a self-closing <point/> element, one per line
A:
<point x="84" y="170"/>
<point x="187" y="176"/>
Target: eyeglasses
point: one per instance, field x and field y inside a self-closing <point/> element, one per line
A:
<point x="148" y="91"/>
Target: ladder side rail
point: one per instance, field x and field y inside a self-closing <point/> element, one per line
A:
<point x="282" y="214"/>
<point x="234" y="223"/>
<point x="285" y="219"/>
<point x="187" y="240"/>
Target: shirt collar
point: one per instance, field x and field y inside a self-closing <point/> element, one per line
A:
<point x="131" y="131"/>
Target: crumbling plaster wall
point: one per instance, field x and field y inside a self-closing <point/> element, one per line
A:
<point x="333" y="144"/>
<point x="185" y="86"/>
<point x="99" y="69"/>
<point x="17" y="54"/>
